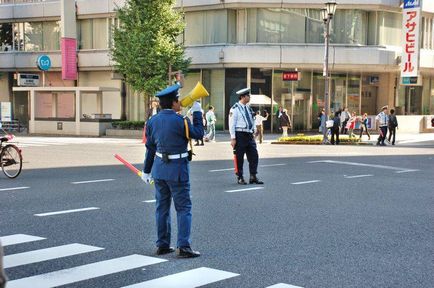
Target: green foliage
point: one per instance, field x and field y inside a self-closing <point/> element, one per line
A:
<point x="145" y="43"/>
<point x="316" y="139"/>
<point x="128" y="125"/>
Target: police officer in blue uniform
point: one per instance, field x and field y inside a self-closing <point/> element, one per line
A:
<point x="242" y="129"/>
<point x="167" y="159"/>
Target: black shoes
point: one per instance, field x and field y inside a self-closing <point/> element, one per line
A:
<point x="164" y="250"/>
<point x="255" y="180"/>
<point x="241" y="181"/>
<point x="186" y="252"/>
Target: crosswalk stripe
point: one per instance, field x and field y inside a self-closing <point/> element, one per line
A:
<point x="14" y="188"/>
<point x="84" y="272"/>
<point x="282" y="285"/>
<point x="35" y="256"/>
<point x="188" y="279"/>
<point x="18" y="239"/>
<point x="66" y="211"/>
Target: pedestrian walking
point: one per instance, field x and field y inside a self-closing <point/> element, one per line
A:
<point x="242" y="130"/>
<point x="345" y="116"/>
<point x="260" y="126"/>
<point x="322" y="121"/>
<point x="285" y="123"/>
<point x="364" y="126"/>
<point x="199" y="142"/>
<point x="210" y="120"/>
<point x="335" y="128"/>
<point x="383" y="122"/>
<point x="154" y="108"/>
<point x="393" y="125"/>
<point x="168" y="159"/>
<point x="278" y="115"/>
<point x="351" y="124"/>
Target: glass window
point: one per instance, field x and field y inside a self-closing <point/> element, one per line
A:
<point x="214" y="82"/>
<point x="85" y="34"/>
<point x="276" y="25"/>
<point x="349" y="27"/>
<point x="207" y="27"/>
<point x="369" y="94"/>
<point x="6" y="38"/>
<point x="338" y="83"/>
<point x="235" y="79"/>
<point x="354" y="93"/>
<point x="33" y="36"/>
<point x="232" y="26"/>
<point x="291" y="18"/>
<point x="99" y="33"/>
<point x="314" y="26"/>
<point x="389" y="28"/>
<point x="51" y="33"/>
<point x="19" y="36"/>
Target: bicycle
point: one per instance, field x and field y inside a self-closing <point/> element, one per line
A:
<point x="11" y="160"/>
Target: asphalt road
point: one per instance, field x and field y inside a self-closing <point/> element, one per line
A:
<point x="326" y="217"/>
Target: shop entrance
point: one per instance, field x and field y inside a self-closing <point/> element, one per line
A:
<point x="301" y="111"/>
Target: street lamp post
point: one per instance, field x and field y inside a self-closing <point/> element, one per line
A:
<point x="327" y="15"/>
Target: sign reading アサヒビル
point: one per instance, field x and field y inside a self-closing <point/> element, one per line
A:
<point x="411" y="15"/>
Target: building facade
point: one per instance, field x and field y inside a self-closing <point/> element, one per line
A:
<point x="233" y="44"/>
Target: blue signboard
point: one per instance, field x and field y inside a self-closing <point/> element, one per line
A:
<point x="43" y="62"/>
<point x="412" y="3"/>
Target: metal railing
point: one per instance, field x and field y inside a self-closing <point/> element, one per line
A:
<point x="13" y="126"/>
<point x="12" y="2"/>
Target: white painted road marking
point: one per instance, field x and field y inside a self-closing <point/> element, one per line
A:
<point x="84" y="272"/>
<point x="149" y="201"/>
<point x="232" y="169"/>
<point x="246" y="189"/>
<point x="220" y="170"/>
<point x="66" y="211"/>
<point x="306" y="182"/>
<point x="14" y="188"/>
<point x="272" y="165"/>
<point x="366" y="165"/>
<point x="92" y="181"/>
<point x="47" y="254"/>
<point x="358" y="176"/>
<point x="188" y="279"/>
<point x="282" y="285"/>
<point x="18" y="239"/>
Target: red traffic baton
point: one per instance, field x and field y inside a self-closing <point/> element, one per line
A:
<point x="235" y="162"/>
<point x="129" y="166"/>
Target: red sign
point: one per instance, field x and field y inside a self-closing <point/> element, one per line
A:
<point x="290" y="76"/>
<point x="69" y="58"/>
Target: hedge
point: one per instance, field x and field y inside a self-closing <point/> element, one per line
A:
<point x="128" y="125"/>
<point x="316" y="139"/>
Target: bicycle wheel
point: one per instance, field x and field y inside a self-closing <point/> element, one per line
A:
<point x="11" y="161"/>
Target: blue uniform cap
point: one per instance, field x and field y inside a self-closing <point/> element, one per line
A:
<point x="244" y="91"/>
<point x="171" y="91"/>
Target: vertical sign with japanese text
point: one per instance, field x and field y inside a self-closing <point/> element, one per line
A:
<point x="411" y="15"/>
<point x="69" y="58"/>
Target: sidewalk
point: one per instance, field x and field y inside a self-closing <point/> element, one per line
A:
<point x="407" y="139"/>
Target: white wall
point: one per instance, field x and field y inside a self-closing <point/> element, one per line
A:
<point x="111" y="100"/>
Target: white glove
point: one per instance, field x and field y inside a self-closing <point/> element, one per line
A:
<point x="147" y="178"/>
<point x="196" y="107"/>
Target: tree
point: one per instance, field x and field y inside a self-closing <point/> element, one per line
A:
<point x="145" y="44"/>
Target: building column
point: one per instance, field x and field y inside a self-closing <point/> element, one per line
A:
<point x="99" y="103"/>
<point x="32" y="111"/>
<point x="77" y="111"/>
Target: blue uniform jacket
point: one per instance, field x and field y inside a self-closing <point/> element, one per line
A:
<point x="165" y="133"/>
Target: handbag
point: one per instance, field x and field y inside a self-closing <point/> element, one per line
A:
<point x="329" y="123"/>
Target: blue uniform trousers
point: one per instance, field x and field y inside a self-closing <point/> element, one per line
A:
<point x="180" y="192"/>
<point x="246" y="145"/>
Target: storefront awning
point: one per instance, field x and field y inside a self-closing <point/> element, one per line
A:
<point x="260" y="100"/>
